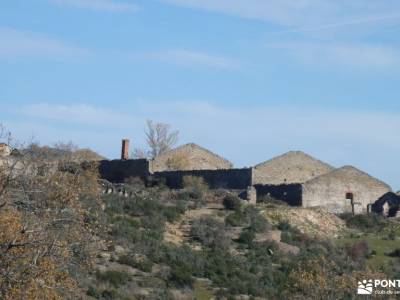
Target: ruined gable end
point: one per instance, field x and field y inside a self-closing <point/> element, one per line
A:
<point x="346" y="189"/>
<point x="290" y="168"/>
<point x="189" y="157"/>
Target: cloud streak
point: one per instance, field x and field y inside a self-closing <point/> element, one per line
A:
<point x="361" y="56"/>
<point x="100" y="5"/>
<point x="17" y="43"/>
<point x="303" y="12"/>
<point x="189" y="58"/>
<point x="77" y="114"/>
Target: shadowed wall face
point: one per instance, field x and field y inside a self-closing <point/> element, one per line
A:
<point x="289" y="193"/>
<point x="215" y="179"/>
<point x="393" y="202"/>
<point x="117" y="171"/>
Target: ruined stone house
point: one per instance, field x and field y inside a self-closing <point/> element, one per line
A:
<point x="301" y="180"/>
<point x="346" y="189"/>
<point x="294" y="177"/>
<point x="289" y="168"/>
<point x="388" y="205"/>
<point x="189" y="157"/>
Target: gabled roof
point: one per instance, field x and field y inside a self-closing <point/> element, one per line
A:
<point x="193" y="146"/>
<point x="290" y="157"/>
<point x="289" y="168"/>
<point x="348" y="172"/>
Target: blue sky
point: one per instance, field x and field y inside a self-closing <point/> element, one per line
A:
<point x="249" y="79"/>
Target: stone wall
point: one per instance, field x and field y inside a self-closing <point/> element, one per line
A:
<point x="189" y="157"/>
<point x="117" y="171"/>
<point x="343" y="190"/>
<point x="289" y="193"/>
<point x="215" y="179"/>
<point x="392" y="203"/>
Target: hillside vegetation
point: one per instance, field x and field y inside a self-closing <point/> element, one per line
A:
<point x="62" y="238"/>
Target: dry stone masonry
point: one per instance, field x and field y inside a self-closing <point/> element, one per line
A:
<point x="294" y="177"/>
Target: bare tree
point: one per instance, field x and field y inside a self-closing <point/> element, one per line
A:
<point x="160" y="138"/>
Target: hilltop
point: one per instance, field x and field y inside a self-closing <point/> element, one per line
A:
<point x="131" y="241"/>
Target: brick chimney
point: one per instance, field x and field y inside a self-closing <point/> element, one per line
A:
<point x="125" y="149"/>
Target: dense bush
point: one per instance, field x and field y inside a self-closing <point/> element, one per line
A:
<point x="232" y="202"/>
<point x="248" y="217"/>
<point x="115" y="278"/>
<point x="366" y="222"/>
<point x="258" y="223"/>
<point x="395" y="253"/>
<point x="196" y="185"/>
<point x="284" y="226"/>
<point x="359" y="251"/>
<point x="142" y="264"/>
<point x="209" y="232"/>
<point x="292" y="235"/>
<point x="237" y="219"/>
<point x="247" y="237"/>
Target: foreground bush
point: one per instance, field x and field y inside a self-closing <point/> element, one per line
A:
<point x="365" y="222"/>
<point x="209" y="232"/>
<point x="115" y="278"/>
<point x="232" y="202"/>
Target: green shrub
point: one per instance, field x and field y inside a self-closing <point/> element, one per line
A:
<point x="209" y="232"/>
<point x="109" y="294"/>
<point x="93" y="292"/>
<point x="359" y="251"/>
<point x="284" y="226"/>
<point x="247" y="237"/>
<point x="115" y="278"/>
<point x="257" y="222"/>
<point x="184" y="263"/>
<point x="124" y="228"/>
<point x="232" y="202"/>
<point x="195" y="183"/>
<point x="369" y="222"/>
<point x="395" y="253"/>
<point x="392" y="235"/>
<point x="144" y="265"/>
<point x="237" y="219"/>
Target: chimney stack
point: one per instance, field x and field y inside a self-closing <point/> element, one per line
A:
<point x="125" y="149"/>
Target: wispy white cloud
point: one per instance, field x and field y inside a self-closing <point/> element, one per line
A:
<point x="76" y="113"/>
<point x="302" y="12"/>
<point x="100" y="5"/>
<point x="336" y="54"/>
<point x="190" y="58"/>
<point x="278" y="11"/>
<point x="17" y="43"/>
<point x="390" y="17"/>
<point x="367" y="139"/>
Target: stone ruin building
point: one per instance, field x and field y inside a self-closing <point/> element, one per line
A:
<point x="301" y="180"/>
<point x="295" y="178"/>
<point x="346" y="189"/>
